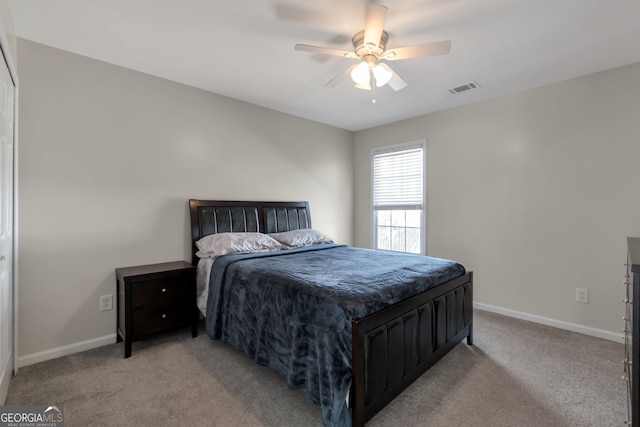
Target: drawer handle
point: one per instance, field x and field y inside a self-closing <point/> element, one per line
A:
<point x="164" y="289"/>
<point x="164" y="316"/>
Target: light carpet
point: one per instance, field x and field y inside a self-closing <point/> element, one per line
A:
<point x="517" y="374"/>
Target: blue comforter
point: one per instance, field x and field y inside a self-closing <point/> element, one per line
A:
<point x="291" y="310"/>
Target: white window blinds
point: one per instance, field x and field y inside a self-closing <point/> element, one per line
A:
<point x="398" y="179"/>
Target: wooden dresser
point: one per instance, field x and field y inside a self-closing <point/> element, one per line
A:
<point x="632" y="332"/>
<point x="155" y="298"/>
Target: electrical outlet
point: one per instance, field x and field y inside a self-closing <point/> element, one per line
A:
<point x="106" y="302"/>
<point x="582" y="295"/>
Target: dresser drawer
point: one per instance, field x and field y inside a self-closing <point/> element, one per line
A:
<point x="160" y="317"/>
<point x="165" y="289"/>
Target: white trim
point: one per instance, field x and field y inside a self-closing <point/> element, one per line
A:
<point x="586" y="330"/>
<point x="9" y="59"/>
<point x="7" y="56"/>
<point x="54" y="353"/>
<point x="418" y="143"/>
<point x="15" y="226"/>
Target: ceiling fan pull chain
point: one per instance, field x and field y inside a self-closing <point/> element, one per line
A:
<point x="372" y="83"/>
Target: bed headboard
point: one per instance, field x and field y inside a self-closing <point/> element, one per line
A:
<point x="216" y="216"/>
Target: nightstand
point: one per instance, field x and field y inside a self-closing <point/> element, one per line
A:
<point x="155" y="298"/>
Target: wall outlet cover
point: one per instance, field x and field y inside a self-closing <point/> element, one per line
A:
<point x="106" y="302"/>
<point x="582" y="295"/>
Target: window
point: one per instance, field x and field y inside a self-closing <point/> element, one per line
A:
<point x="398" y="198"/>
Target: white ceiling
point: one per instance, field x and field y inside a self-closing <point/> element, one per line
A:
<point x="244" y="48"/>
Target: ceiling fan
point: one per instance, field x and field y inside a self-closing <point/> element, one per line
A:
<point x="370" y="47"/>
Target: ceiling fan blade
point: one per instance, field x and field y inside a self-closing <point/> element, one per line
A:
<point x="346" y="74"/>
<point x="325" y="51"/>
<point x="395" y="82"/>
<point x="374" y="25"/>
<point x="417" y="51"/>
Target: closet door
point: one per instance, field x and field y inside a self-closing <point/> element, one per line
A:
<point x="7" y="91"/>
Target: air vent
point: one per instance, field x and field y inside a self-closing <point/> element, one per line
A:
<point x="464" y="88"/>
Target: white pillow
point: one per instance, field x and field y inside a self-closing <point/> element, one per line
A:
<point x="302" y="237"/>
<point x="215" y="245"/>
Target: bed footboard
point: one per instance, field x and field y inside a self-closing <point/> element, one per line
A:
<point x="395" y="346"/>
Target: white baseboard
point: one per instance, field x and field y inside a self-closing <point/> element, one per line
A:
<point x="41" y="356"/>
<point x="586" y="330"/>
<point x="53" y="353"/>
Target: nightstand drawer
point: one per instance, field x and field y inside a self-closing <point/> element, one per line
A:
<point x="158" y="318"/>
<point x="155" y="298"/>
<point x="165" y="289"/>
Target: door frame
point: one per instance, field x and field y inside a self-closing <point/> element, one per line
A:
<point x="5" y="47"/>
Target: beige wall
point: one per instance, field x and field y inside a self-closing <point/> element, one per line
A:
<point x="109" y="158"/>
<point x="534" y="192"/>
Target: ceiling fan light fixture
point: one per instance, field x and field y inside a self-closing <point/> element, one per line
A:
<point x="382" y="75"/>
<point x="370" y="46"/>
<point x="360" y="74"/>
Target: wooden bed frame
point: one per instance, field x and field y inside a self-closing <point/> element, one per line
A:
<point x="391" y="348"/>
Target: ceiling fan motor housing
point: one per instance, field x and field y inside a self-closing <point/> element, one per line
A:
<point x="363" y="50"/>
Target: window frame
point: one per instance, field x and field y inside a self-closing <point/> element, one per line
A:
<point x="422" y="144"/>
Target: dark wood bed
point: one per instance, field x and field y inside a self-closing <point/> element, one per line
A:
<point x="392" y="347"/>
